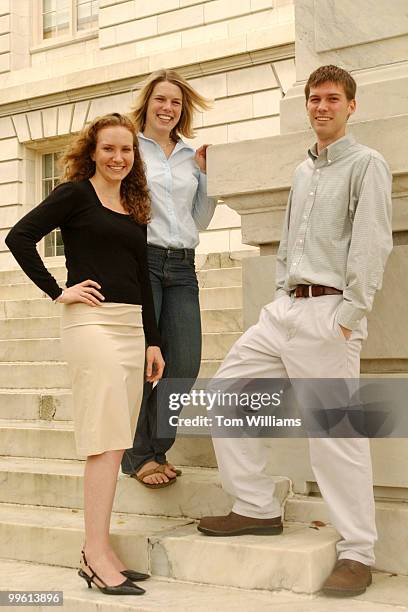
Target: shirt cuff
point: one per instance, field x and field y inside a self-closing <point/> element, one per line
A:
<point x="348" y="315"/>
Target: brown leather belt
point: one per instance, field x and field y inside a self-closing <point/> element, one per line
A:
<point x="305" y="291"/>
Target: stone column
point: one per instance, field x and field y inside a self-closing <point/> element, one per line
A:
<point x="370" y="40"/>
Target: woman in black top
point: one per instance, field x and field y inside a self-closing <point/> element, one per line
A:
<point x="102" y="208"/>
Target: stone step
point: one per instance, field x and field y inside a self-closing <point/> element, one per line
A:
<point x="54" y="374"/>
<point x="215" y="346"/>
<point x="175" y="596"/>
<point x="228" y="296"/>
<point x="55" y="440"/>
<point x="40" y="319"/>
<point x="33" y="404"/>
<point x="391" y="550"/>
<point x="37" y="326"/>
<point x="59" y="483"/>
<point x="217" y="277"/>
<point x="299" y="560"/>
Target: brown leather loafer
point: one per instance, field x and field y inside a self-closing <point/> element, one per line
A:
<point x="235" y="524"/>
<point x="349" y="578"/>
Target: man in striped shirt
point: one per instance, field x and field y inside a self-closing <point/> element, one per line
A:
<point x="335" y="242"/>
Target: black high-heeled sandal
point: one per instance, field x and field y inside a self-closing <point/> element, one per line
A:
<point x="127" y="587"/>
<point x="131" y="574"/>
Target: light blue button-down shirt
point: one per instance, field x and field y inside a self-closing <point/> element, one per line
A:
<point x="178" y="191"/>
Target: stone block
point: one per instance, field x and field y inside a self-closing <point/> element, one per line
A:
<point x="213" y="241"/>
<point x="259" y="5"/>
<point x="224" y="217"/>
<point x="119" y="103"/>
<point x="229" y="109"/>
<point x="21" y="127"/>
<point x="65" y="113"/>
<point x="49" y="118"/>
<point x="136" y="30"/>
<point x="212" y="135"/>
<point x="9" y="194"/>
<point x="281" y="34"/>
<point x="5" y="62"/>
<point x="159" y="45"/>
<point x="266" y="103"/>
<point x="10" y="149"/>
<point x="211" y="86"/>
<point x="204" y="34"/>
<point x="79" y="115"/>
<point x="4" y="24"/>
<point x="286" y="73"/>
<point x="10" y="171"/>
<point x="5" y="43"/>
<point x="252" y="23"/>
<point x="250" y="79"/>
<point x="181" y="19"/>
<point x="224" y="9"/>
<point x="107" y="37"/>
<point x="299" y="560"/>
<point x="112" y="15"/>
<point x="333" y="25"/>
<point x="6" y="128"/>
<point x="255" y="128"/>
<point x="386" y="339"/>
<point x="35" y="125"/>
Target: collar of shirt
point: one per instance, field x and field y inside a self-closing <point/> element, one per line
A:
<point x="180" y="144"/>
<point x="333" y="151"/>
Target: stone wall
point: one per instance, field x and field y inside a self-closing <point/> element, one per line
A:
<point x="240" y="55"/>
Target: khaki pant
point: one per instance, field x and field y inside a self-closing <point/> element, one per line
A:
<point x="300" y="338"/>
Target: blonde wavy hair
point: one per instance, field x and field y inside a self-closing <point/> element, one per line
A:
<point x="77" y="164"/>
<point x="192" y="101"/>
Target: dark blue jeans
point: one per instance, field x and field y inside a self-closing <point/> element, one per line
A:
<point x="177" y="308"/>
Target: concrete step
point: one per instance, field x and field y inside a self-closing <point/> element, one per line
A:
<point x="175" y="596"/>
<point x="54" y="374"/>
<point x="215" y="346"/>
<point x="299" y="560"/>
<point x="59" y="483"/>
<point x="40" y="319"/>
<point x="18" y="277"/>
<point x="55" y="440"/>
<point x="32" y="404"/>
<point x="391" y="550"/>
<point x="210" y="297"/>
<point x="205" y="265"/>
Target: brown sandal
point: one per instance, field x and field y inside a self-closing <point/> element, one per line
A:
<point x="175" y="470"/>
<point x="156" y="470"/>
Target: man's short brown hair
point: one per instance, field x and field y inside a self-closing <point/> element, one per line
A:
<point x="332" y="74"/>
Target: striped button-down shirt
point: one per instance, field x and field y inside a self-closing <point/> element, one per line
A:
<point x="337" y="230"/>
<point x="178" y="191"/>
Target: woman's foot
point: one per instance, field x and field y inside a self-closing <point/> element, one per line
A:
<point x="163" y="475"/>
<point x="103" y="565"/>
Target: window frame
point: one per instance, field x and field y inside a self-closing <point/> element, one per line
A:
<point x="74" y="35"/>
<point x="51" y="148"/>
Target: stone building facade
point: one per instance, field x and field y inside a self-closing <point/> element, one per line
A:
<point x="64" y="62"/>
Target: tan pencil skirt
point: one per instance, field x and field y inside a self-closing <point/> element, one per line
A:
<point x="105" y="350"/>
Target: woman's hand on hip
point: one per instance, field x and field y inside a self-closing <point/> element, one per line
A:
<point x="201" y="158"/>
<point x="85" y="292"/>
<point x="154" y="364"/>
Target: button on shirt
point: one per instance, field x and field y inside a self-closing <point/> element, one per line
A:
<point x="337" y="231"/>
<point x="178" y="191"/>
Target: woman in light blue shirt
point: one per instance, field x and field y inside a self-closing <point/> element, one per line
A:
<point x="176" y="176"/>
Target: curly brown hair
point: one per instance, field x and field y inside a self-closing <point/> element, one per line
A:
<point x="192" y="100"/>
<point x="77" y="165"/>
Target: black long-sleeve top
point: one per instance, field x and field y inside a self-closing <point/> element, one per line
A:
<point x="100" y="244"/>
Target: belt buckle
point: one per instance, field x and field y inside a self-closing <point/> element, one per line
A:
<point x="310" y="291"/>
